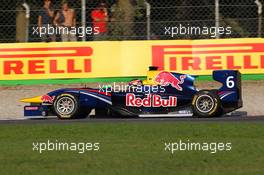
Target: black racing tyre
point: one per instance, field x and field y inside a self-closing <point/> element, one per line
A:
<point x="66" y="106"/>
<point x="206" y="104"/>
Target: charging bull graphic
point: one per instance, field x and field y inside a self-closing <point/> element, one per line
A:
<point x="166" y="78"/>
<point x="47" y="99"/>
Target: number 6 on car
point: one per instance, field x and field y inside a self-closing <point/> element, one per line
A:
<point x="230" y="82"/>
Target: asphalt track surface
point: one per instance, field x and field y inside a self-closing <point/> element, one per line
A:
<point x="93" y="119"/>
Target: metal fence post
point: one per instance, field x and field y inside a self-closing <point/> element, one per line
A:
<point x="148" y="12"/>
<point x="26" y="6"/>
<point x="84" y="18"/>
<point x="259" y="4"/>
<point x="217" y="18"/>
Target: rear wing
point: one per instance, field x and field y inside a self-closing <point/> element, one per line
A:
<point x="231" y="83"/>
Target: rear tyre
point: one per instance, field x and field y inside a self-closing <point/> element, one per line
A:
<point x="206" y="104"/>
<point x="66" y="106"/>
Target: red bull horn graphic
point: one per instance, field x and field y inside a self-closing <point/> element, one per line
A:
<point x="47" y="99"/>
<point x="166" y="78"/>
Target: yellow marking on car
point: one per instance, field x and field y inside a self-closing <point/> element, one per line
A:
<point x="151" y="75"/>
<point x="32" y="100"/>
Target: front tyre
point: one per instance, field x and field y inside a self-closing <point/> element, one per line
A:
<point x="66" y="106"/>
<point x="206" y="104"/>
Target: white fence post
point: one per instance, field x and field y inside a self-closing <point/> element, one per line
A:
<point x="26" y="6"/>
<point x="84" y="18"/>
<point x="217" y="18"/>
<point x="148" y="12"/>
<point x="259" y="4"/>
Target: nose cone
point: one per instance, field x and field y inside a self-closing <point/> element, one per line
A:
<point x="32" y="100"/>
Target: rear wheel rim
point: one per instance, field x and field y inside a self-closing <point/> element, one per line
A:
<point x="205" y="103"/>
<point x="65" y="105"/>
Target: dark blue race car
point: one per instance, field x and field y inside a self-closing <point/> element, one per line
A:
<point x="162" y="94"/>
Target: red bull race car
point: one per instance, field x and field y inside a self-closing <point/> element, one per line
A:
<point x="162" y="94"/>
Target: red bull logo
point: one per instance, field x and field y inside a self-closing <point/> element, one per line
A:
<point x="150" y="101"/>
<point x="47" y="99"/>
<point x="166" y="78"/>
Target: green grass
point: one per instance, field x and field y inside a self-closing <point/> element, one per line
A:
<point x="133" y="149"/>
<point x="105" y="80"/>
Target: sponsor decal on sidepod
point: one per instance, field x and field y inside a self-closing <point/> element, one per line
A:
<point x="150" y="101"/>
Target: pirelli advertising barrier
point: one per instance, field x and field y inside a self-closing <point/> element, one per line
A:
<point x="128" y="58"/>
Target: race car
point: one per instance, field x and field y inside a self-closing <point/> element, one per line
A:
<point x="161" y="94"/>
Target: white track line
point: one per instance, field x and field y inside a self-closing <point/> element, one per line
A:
<point x="5" y="119"/>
